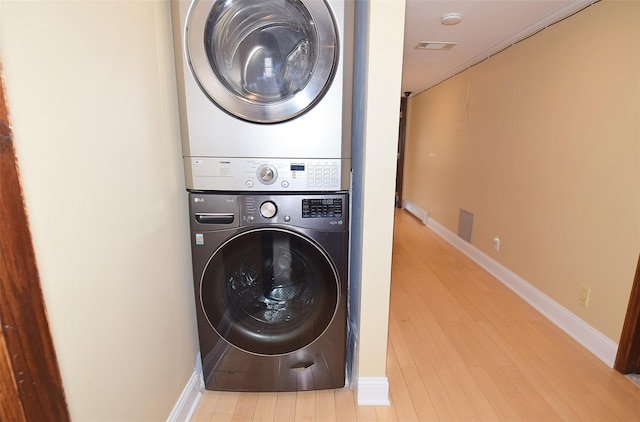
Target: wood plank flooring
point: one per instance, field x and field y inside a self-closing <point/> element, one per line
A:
<point x="461" y="347"/>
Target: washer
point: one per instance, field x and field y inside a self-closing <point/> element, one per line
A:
<point x="270" y="273"/>
<point x="264" y="83"/>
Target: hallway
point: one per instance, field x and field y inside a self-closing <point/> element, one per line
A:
<point x="478" y="352"/>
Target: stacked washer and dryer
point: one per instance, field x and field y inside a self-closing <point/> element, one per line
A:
<point x="265" y="108"/>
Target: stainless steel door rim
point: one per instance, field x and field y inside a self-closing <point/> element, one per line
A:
<point x="263" y="62"/>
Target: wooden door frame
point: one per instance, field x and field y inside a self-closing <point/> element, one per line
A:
<point x="402" y="132"/>
<point x="30" y="383"/>
<point x="628" y="356"/>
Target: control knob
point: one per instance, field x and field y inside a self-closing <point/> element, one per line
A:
<point x="266" y="174"/>
<point x="268" y="209"/>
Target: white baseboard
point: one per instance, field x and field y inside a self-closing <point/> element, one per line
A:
<point x="373" y="391"/>
<point x="594" y="341"/>
<point x="417" y="211"/>
<point x="188" y="400"/>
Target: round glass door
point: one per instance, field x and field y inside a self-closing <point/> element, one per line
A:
<point x="263" y="61"/>
<point x="269" y="291"/>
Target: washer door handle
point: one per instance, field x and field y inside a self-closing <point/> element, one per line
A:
<point x="214" y="217"/>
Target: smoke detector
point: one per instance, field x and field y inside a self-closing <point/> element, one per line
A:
<point x="451" y="19"/>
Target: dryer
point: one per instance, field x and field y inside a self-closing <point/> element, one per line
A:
<point x="265" y="93"/>
<point x="270" y="274"/>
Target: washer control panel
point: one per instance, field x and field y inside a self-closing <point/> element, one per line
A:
<point x="320" y="211"/>
<point x="221" y="211"/>
<point x="321" y="207"/>
<point x="261" y="174"/>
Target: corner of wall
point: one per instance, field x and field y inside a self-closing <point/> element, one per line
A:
<point x="190" y="397"/>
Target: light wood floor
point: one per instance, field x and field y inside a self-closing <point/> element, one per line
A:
<point x="461" y="347"/>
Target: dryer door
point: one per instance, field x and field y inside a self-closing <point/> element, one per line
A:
<point x="269" y="291"/>
<point x="262" y="61"/>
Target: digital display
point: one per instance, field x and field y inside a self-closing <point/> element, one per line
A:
<point x="297" y="167"/>
<point x="319" y="208"/>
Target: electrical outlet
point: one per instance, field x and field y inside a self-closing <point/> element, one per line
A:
<point x="496" y="243"/>
<point x="584" y="294"/>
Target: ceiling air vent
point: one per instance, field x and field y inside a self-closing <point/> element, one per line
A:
<point x="433" y="45"/>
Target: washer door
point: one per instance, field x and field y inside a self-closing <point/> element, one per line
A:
<point x="263" y="61"/>
<point x="269" y="291"/>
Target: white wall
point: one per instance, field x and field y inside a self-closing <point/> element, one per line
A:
<point x="91" y="93"/>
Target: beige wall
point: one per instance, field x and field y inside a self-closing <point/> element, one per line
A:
<point x="91" y="92"/>
<point x="382" y="105"/>
<point x="547" y="156"/>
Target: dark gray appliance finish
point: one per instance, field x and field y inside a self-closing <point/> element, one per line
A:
<point x="270" y="273"/>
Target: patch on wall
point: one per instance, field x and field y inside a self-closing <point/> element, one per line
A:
<point x="465" y="225"/>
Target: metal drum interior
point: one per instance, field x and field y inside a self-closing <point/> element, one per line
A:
<point x="265" y="61"/>
<point x="269" y="291"/>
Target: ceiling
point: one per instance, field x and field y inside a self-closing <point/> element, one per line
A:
<point x="487" y="27"/>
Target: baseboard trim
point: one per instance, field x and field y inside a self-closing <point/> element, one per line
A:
<point x="373" y="391"/>
<point x="594" y="341"/>
<point x="188" y="400"/>
<point x="416" y="211"/>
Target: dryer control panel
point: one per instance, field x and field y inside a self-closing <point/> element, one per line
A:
<point x="261" y="174"/>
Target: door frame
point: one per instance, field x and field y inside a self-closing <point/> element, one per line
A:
<point x="30" y="379"/>
<point x="402" y="134"/>
<point x="628" y="356"/>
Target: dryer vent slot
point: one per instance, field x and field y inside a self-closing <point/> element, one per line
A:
<point x="214" y="218"/>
